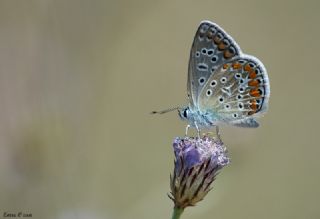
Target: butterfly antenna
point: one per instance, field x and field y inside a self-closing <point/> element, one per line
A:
<point x="165" y="111"/>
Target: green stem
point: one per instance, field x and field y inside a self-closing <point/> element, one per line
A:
<point x="177" y="212"/>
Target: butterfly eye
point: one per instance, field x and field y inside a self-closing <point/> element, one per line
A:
<point x="185" y="113"/>
<point x="227" y="106"/>
<point x="223" y="80"/>
<point x="239" y="97"/>
<point x="214" y="59"/>
<point x="204" y="51"/>
<point x="241" y="81"/>
<point x="197" y="54"/>
<point x="251" y="65"/>
<point x="241" y="61"/>
<point x="209" y="92"/>
<point x="235" y="115"/>
<point x="201" y="80"/>
<point x="221" y="99"/>
<point x="213" y="83"/>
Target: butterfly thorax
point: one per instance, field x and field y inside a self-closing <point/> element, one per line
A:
<point x="196" y="118"/>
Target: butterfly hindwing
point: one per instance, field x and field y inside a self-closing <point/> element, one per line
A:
<point x="237" y="91"/>
<point x="211" y="47"/>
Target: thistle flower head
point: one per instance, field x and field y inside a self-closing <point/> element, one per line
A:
<point x="197" y="162"/>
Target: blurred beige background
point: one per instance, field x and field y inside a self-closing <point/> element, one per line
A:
<point x="78" y="79"/>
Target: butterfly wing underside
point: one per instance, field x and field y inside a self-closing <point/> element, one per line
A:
<point x="211" y="47"/>
<point x="237" y="93"/>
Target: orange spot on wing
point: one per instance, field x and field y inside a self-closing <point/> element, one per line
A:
<point x="221" y="45"/>
<point x="216" y="39"/>
<point x="227" y="54"/>
<point x="253" y="101"/>
<point x="236" y="65"/>
<point x="252" y="74"/>
<point x="253" y="106"/>
<point x="253" y="83"/>
<point x="247" y="67"/>
<point x="255" y="93"/>
<point x="225" y="66"/>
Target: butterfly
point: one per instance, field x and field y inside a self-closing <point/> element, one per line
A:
<point x="225" y="86"/>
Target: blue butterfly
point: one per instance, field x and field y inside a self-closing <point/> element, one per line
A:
<point x="224" y="84"/>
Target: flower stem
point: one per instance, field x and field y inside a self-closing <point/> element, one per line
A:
<point x="177" y="212"/>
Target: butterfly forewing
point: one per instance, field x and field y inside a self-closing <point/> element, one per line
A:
<point x="211" y="47"/>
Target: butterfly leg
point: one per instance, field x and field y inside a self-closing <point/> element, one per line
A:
<point x="187" y="128"/>
<point x="198" y="130"/>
